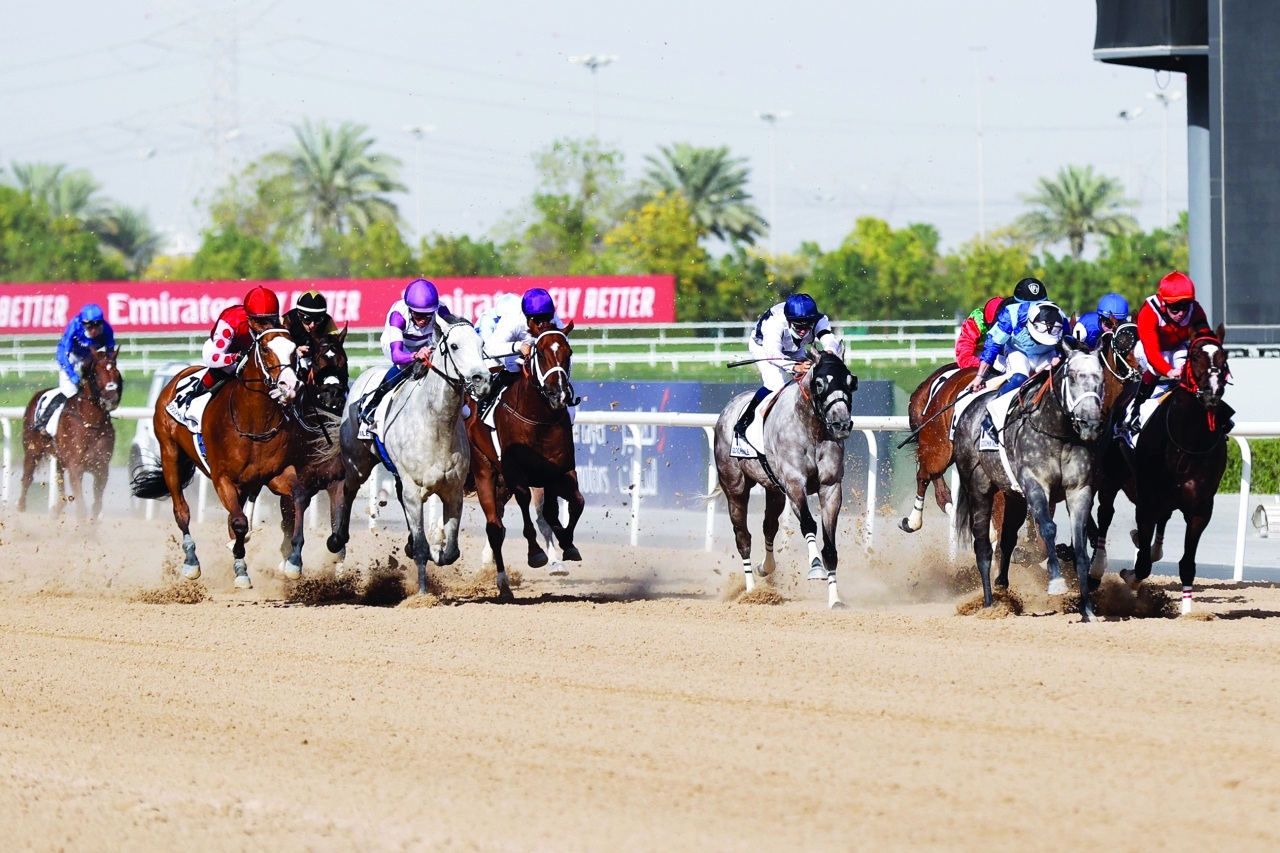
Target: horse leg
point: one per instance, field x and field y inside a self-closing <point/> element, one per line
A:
<point x="774" y="504"/>
<point x="451" y="519"/>
<point x="339" y="517"/>
<point x="572" y="495"/>
<point x="181" y="509"/>
<point x="493" y="506"/>
<point x="1197" y="520"/>
<point x="32" y="454"/>
<point x="1042" y="512"/>
<point x="1078" y="504"/>
<point x="99" y="471"/>
<point x="1142" y="541"/>
<point x="915" y="520"/>
<point x="980" y="527"/>
<point x="1157" y="544"/>
<point x="829" y="496"/>
<point x="294" y="501"/>
<point x="237" y="525"/>
<point x="537" y="556"/>
<point x="738" y="503"/>
<point x="419" y="548"/>
<point x="808" y="527"/>
<point x="1106" y="512"/>
<point x="1014" y="508"/>
<point x="547" y="517"/>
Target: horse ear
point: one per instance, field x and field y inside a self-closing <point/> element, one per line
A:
<point x="342" y="336"/>
<point x="568" y="327"/>
<point x="1221" y="332"/>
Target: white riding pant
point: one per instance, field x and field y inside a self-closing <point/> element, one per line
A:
<point x="66" y="386"/>
<point x="1176" y="357"/>
<point x="1019" y="362"/>
<point x="773" y="374"/>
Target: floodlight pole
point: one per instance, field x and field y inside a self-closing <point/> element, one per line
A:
<point x="1128" y="116"/>
<point x="771" y="118"/>
<point x="594" y="61"/>
<point x="419" y="132"/>
<point x="1165" y="98"/>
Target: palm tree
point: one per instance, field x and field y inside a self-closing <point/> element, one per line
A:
<point x="714" y="185"/>
<point x="129" y="232"/>
<point x="337" y="183"/>
<point x="1075" y="204"/>
<point x="66" y="193"/>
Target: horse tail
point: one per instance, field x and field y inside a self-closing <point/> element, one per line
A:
<point x="964" y="515"/>
<point x="326" y="446"/>
<point x="149" y="480"/>
<point x="704" y="500"/>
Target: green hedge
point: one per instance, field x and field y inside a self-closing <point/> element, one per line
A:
<point x="1266" y="467"/>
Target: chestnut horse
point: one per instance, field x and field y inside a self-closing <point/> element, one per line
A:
<point x="536" y="440"/>
<point x="86" y="438"/>
<point x="251" y="439"/>
<point x="929" y="413"/>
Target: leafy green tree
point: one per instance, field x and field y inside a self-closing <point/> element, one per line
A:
<point x="228" y="255"/>
<point x="37" y="247"/>
<point x="73" y="194"/>
<point x="981" y="269"/>
<point x="332" y="180"/>
<point x="578" y="193"/>
<point x="662" y="237"/>
<point x="714" y="185"/>
<point x="259" y="202"/>
<point x="447" y="256"/>
<point x="377" y="252"/>
<point x="879" y="273"/>
<point x="1075" y="204"/>
<point x="128" y="232"/>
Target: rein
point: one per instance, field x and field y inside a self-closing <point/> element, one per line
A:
<point x="1189" y="382"/>
<point x="246" y="382"/>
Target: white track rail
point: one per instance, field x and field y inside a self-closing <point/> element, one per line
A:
<point x="868" y="426"/>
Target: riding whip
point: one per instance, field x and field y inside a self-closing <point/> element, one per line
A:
<point x="932" y="418"/>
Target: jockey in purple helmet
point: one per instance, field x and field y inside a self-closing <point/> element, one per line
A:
<point x="508" y="331"/>
<point x="407" y="336"/>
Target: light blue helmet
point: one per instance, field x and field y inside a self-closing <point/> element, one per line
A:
<point x="1114" y="306"/>
<point x="91" y="313"/>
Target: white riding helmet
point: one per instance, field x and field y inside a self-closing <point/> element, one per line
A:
<point x="1045" y="322"/>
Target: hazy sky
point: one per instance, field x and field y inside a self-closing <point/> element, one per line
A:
<point x="883" y="99"/>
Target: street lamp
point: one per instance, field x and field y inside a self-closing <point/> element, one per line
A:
<point x="594" y="61"/>
<point x="1165" y="99"/>
<point x="772" y="117"/>
<point x="419" y="132"/>
<point x="1128" y="116"/>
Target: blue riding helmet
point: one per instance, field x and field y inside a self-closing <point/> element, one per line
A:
<point x="800" y="308"/>
<point x="1114" y="306"/>
<point x="91" y="313"/>
<point x="537" y="301"/>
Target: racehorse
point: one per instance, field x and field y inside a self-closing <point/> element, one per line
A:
<point x="534" y="450"/>
<point x="803" y="454"/>
<point x="85" y="438"/>
<point x="1177" y="464"/>
<point x="929" y="413"/>
<point x="249" y="439"/>
<point x="1050" y="441"/>
<point x="423" y="438"/>
<point x="321" y="399"/>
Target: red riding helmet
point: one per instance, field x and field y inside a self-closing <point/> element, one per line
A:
<point x="261" y="304"/>
<point x="1176" y="287"/>
<point x="992" y="308"/>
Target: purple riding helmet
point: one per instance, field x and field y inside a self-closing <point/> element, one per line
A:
<point x="421" y="297"/>
<point x="537" y="302"/>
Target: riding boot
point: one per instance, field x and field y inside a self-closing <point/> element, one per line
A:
<point x="369" y="405"/>
<point x="1143" y="394"/>
<point x="500" y="382"/>
<point x="740" y="428"/>
<point x="43" y="418"/>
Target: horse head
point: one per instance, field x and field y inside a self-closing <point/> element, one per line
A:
<point x="461" y="353"/>
<point x="1116" y="351"/>
<point x="1081" y="391"/>
<point x="831" y="386"/>
<point x="271" y="363"/>
<point x="1206" y="373"/>
<point x="104" y="380"/>
<point x="549" y="365"/>
<point x="328" y="372"/>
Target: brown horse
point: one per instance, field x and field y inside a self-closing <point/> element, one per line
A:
<point x="536" y="440"/>
<point x="929" y="413"/>
<point x="86" y="438"/>
<point x="326" y="381"/>
<point x="250" y="439"/>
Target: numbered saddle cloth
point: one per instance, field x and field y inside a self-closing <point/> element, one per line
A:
<point x="367" y="432"/>
<point x="753" y="444"/>
<point x="52" y="397"/>
<point x="190" y="416"/>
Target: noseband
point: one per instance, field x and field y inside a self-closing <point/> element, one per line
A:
<point x="823" y="405"/>
<point x="540" y="377"/>
<point x="1190" y="383"/>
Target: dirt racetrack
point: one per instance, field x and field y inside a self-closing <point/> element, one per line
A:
<point x="626" y="708"/>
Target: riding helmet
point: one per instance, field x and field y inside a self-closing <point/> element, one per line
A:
<point x="91" y="313"/>
<point x="536" y="302"/>
<point x="421" y="297"/>
<point x="1045" y="322"/>
<point x="800" y="307"/>
<point x="1030" y="290"/>
<point x="991" y="310"/>
<point x="312" y="302"/>
<point x="1176" y="287"/>
<point x="261" y="304"/>
<point x="1114" y="306"/>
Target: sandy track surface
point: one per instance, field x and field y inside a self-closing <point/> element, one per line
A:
<point x="667" y="720"/>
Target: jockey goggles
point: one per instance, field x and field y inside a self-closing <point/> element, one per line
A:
<point x="421" y="318"/>
<point x="1179" y="307"/>
<point x="800" y="328"/>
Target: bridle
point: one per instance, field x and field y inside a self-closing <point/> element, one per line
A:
<point x="270" y="376"/>
<point x="539" y="377"/>
<point x="1116" y="363"/>
<point x="1068" y="401"/>
<point x="1190" y="383"/>
<point x="451" y="374"/>
<point x="823" y="403"/>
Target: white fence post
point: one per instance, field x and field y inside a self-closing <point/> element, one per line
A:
<point x="373" y="498"/>
<point x="1246" y="480"/>
<point x="54" y="485"/>
<point x="712" y="478"/>
<point x="8" y="460"/>
<point x="873" y="471"/>
<point x="202" y="497"/>
<point x="635" y="486"/>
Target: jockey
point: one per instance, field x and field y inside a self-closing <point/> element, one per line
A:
<point x="779" y="345"/>
<point x="1113" y="310"/>
<point x="1166" y="324"/>
<point x="1028" y="333"/>
<point x="973" y="331"/>
<point x="232" y="336"/>
<point x="408" y="336"/>
<point x="509" y="330"/>
<point x="308" y="321"/>
<point x="87" y="331"/>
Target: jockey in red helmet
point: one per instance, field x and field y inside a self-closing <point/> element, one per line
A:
<point x="232" y="336"/>
<point x="973" y="332"/>
<point x="1166" y="322"/>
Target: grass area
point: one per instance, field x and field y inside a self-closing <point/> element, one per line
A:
<point x="905" y="376"/>
<point x="18" y="391"/>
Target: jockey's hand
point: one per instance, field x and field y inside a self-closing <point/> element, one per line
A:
<point x="526" y="350"/>
<point x="800" y="368"/>
<point x="303" y="351"/>
<point x="1174" y="374"/>
<point x="423" y="355"/>
<point x="1057" y="359"/>
<point x="977" y="384"/>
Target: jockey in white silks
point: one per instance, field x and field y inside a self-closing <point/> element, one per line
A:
<point x="509" y="330"/>
<point x="780" y="345"/>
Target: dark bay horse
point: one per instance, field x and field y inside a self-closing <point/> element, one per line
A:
<point x="250" y="438"/>
<point x="804" y="437"/>
<point x="326" y="381"/>
<point x="1177" y="464"/>
<point x="534" y="451"/>
<point x="86" y="438"/>
<point x="1051" y="442"/>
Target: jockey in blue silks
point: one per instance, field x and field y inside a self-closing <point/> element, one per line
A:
<point x="87" y="331"/>
<point x="1028" y="333"/>
<point x="1113" y="310"/>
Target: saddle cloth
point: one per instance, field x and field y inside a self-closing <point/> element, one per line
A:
<point x="46" y="400"/>
<point x="937" y="384"/>
<point x="191" y="416"/>
<point x="489" y="415"/>
<point x="1148" y="409"/>
<point x="745" y="448"/>
<point x="365" y="432"/>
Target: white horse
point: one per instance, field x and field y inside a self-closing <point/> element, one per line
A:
<point x="424" y="438"/>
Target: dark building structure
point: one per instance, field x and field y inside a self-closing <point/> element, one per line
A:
<point x="1230" y="52"/>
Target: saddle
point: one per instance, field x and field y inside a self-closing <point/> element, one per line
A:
<point x="50" y="406"/>
<point x="373" y="432"/>
<point x="745" y="447"/>
<point x="191" y="415"/>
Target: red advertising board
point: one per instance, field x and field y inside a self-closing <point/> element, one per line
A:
<point x="192" y="306"/>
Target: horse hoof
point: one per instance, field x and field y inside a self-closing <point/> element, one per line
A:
<point x="538" y="560"/>
<point x="505" y="595"/>
<point x="243" y="582"/>
<point x="191" y="573"/>
<point x="572" y="554"/>
<point x="334" y="544"/>
<point x="905" y="526"/>
<point x="1058" y="586"/>
<point x="818" y="573"/>
<point x="1130" y="577"/>
<point x="292" y="571"/>
<point x="558" y="570"/>
<point x="837" y="605"/>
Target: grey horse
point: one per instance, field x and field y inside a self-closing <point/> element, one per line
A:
<point x="804" y="437"/>
<point x="425" y="439"/>
<point x="1051" y="441"/>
